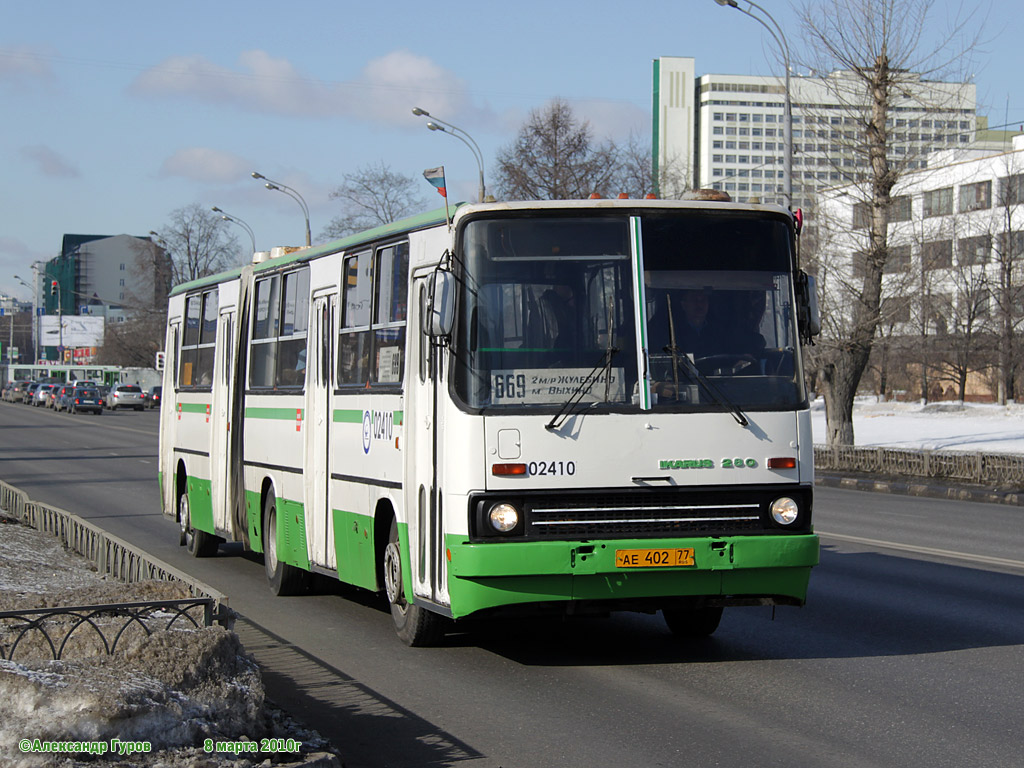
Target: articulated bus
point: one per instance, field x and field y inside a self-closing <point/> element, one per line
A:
<point x="580" y="406"/>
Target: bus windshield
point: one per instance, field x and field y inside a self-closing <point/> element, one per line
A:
<point x="548" y="313"/>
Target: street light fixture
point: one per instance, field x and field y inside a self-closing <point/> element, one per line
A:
<point x="293" y="194"/>
<point x="461" y="135"/>
<point x="780" y="40"/>
<point x="239" y="222"/>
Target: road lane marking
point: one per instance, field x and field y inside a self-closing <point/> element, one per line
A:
<point x="925" y="550"/>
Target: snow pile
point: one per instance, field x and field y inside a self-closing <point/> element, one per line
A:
<point x="171" y="691"/>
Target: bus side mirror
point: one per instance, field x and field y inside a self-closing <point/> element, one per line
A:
<point x="441" y="308"/>
<point x="807" y="297"/>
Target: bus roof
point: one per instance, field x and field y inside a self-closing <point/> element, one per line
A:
<point x="409" y="224"/>
<point x="458" y="210"/>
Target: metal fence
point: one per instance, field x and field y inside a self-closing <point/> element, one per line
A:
<point x="116" y="558"/>
<point x="996" y="470"/>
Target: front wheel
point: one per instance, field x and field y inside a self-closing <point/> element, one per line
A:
<point x="283" y="579"/>
<point x="414" y="625"/>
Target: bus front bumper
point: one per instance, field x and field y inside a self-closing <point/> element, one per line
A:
<point x="730" y="570"/>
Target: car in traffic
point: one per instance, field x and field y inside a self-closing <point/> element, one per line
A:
<point x="126" y="396"/>
<point x="84" y="400"/>
<point x="60" y="399"/>
<point x="29" y="392"/>
<point x="42" y="395"/>
<point x="153" y="397"/>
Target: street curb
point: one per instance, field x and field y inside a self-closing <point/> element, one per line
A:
<point x="922" y="489"/>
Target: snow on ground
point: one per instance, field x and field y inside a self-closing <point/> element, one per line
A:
<point x="947" y="426"/>
<point x="168" y="692"/>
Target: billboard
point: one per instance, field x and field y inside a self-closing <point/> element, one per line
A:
<point x="73" y="331"/>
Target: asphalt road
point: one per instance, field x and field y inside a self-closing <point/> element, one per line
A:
<point x="909" y="653"/>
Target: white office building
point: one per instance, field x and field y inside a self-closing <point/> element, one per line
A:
<point x="727" y="131"/>
<point x="954" y="227"/>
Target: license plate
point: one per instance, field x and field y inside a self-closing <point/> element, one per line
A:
<point x="653" y="558"/>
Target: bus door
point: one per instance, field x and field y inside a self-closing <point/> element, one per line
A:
<point x="220" y="422"/>
<point x="317" y="424"/>
<point x="168" y="423"/>
<point x="422" y="456"/>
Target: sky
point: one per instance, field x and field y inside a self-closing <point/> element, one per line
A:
<point x="117" y="113"/>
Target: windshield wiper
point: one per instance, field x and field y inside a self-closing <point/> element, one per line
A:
<point x="583" y="388"/>
<point x="695" y="375"/>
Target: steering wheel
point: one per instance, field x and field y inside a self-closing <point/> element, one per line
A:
<point x="717" y="365"/>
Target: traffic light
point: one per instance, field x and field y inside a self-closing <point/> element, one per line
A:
<point x="53" y="287"/>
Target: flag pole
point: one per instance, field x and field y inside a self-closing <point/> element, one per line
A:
<point x="436" y="177"/>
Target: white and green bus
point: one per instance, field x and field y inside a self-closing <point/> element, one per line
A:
<point x="577" y="406"/>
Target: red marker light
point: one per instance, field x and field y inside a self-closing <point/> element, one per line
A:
<point x="503" y="470"/>
<point x="787" y="462"/>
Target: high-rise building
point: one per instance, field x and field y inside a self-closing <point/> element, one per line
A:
<point x="727" y="131"/>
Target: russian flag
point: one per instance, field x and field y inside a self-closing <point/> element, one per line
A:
<point x="436" y="177"/>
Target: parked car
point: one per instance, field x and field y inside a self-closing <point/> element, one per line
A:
<point x="85" y="399"/>
<point x="153" y="397"/>
<point x="126" y="396"/>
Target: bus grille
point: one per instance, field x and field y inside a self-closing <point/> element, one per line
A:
<point x="657" y="517"/>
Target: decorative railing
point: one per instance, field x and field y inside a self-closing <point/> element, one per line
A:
<point x="92" y="629"/>
<point x="53" y="629"/>
<point x="997" y="470"/>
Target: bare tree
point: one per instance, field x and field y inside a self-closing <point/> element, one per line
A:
<point x="877" y="46"/>
<point x="199" y="243"/>
<point x="554" y="157"/>
<point x="372" y="196"/>
<point x="636" y="173"/>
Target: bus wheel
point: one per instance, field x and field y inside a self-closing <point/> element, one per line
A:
<point x="284" y="579"/>
<point x="415" y="625"/>
<point x="692" y="622"/>
<point x="198" y="543"/>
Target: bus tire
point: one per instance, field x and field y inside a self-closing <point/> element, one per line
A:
<point x="690" y="623"/>
<point x="283" y="579"/>
<point x="198" y="543"/>
<point x="414" y="625"/>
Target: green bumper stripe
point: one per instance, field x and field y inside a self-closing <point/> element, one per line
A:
<point x="352" y="416"/>
<point x="282" y="414"/>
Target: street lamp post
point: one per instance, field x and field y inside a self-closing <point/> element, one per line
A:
<point x="780" y="39"/>
<point x="239" y="222"/>
<point x="35" y="303"/>
<point x="461" y="135"/>
<point x="293" y="194"/>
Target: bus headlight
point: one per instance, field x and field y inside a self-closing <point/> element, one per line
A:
<point x="785" y="511"/>
<point x="503" y="517"/>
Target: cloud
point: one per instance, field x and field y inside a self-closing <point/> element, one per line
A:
<point x="384" y="91"/>
<point x="50" y="163"/>
<point x="24" y="65"/>
<point x="206" y="165"/>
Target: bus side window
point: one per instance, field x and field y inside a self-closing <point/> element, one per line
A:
<point x="354" y="337"/>
<point x="392" y="310"/>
